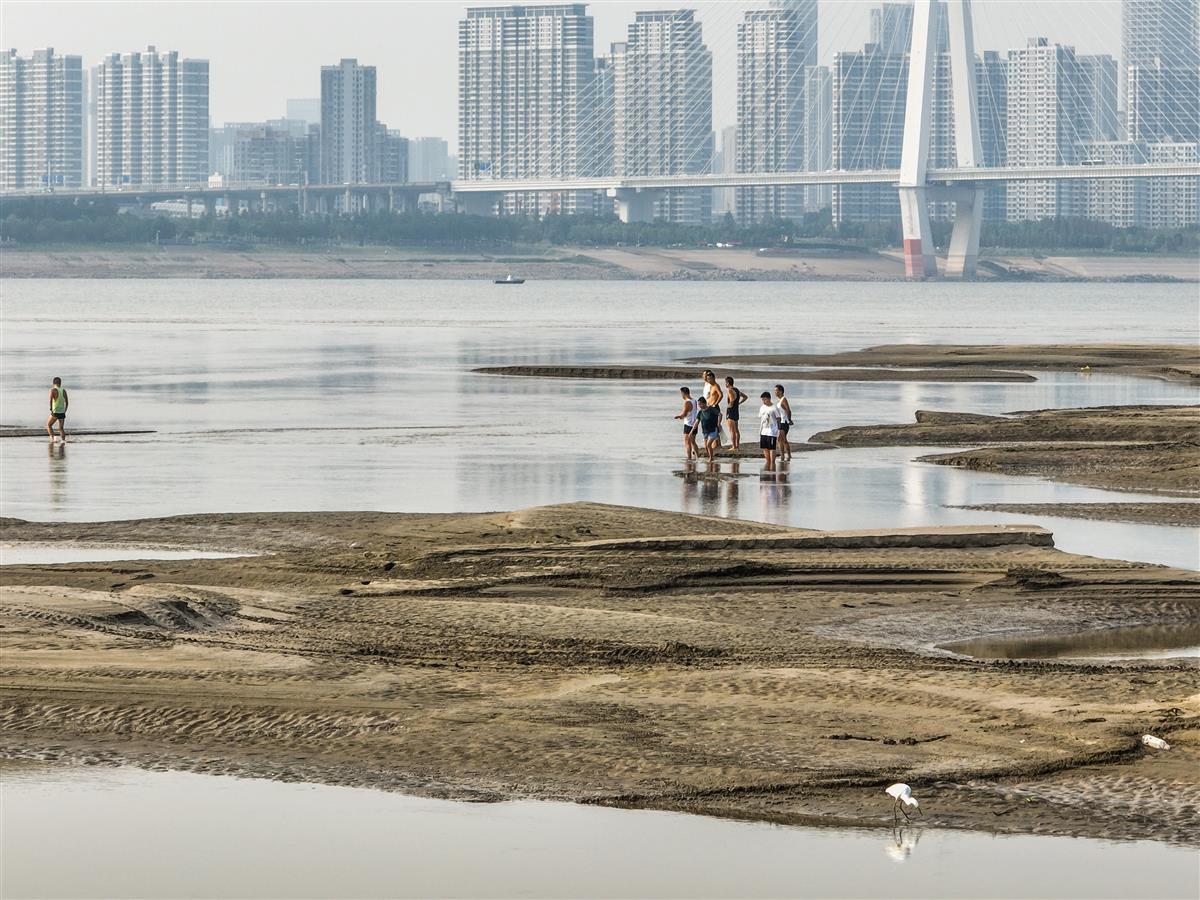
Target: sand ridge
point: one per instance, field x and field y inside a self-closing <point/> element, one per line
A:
<point x="609" y="655"/>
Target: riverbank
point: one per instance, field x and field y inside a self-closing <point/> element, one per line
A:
<point x="240" y="261"/>
<point x="615" y="656"/>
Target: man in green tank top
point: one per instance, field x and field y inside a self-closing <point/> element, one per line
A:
<point x="58" y="410"/>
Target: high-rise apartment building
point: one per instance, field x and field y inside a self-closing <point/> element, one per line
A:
<point x="891" y="26"/>
<point x="393" y="155"/>
<point x="41" y="121"/>
<point x="275" y="152"/>
<point x="428" y="160"/>
<point x="525" y="99"/>
<point x="151" y="119"/>
<point x="991" y="87"/>
<point x="1173" y="202"/>
<point x="818" y="134"/>
<point x="1099" y="117"/>
<point x="725" y="163"/>
<point x="868" y="98"/>
<point x="349" y="129"/>
<point x="1045" y="108"/>
<point x="774" y="49"/>
<point x="1160" y="53"/>
<point x="662" y="86"/>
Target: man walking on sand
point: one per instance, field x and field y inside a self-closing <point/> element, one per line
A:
<point x="768" y="429"/>
<point x="58" y="410"/>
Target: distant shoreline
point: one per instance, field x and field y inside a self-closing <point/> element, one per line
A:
<point x="559" y="263"/>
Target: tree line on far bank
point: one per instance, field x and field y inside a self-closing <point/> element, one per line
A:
<point x="42" y="221"/>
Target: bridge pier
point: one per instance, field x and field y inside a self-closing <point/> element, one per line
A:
<point x="963" y="256"/>
<point x="634" y="204"/>
<point x="919" y="260"/>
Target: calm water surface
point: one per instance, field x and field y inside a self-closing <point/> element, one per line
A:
<point x="325" y="395"/>
<point x="130" y="833"/>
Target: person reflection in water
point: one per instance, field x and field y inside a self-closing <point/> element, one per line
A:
<point x="58" y="474"/>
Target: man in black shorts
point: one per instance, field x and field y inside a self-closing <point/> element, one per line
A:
<point x="768" y="429"/>
<point x="58" y="410"/>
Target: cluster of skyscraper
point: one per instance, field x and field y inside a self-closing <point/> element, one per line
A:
<point x="535" y="102"/>
<point x="145" y="121"/>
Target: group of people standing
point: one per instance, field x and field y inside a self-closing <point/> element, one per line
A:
<point x="702" y="415"/>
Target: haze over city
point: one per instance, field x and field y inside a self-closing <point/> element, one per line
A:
<point x="413" y="43"/>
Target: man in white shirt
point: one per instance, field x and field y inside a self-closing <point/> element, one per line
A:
<point x="768" y="429"/>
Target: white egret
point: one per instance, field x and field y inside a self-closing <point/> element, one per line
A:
<point x="902" y="795"/>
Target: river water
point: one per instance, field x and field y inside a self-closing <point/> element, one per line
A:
<point x="128" y="833"/>
<point x="321" y="395"/>
<point x="332" y="395"/>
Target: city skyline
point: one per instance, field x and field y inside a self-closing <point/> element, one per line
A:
<point x="266" y="78"/>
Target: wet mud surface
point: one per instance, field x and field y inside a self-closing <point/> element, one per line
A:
<point x="614" y="656"/>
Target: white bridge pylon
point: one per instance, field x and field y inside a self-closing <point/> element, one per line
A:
<point x="915" y="192"/>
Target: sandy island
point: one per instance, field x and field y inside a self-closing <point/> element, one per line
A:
<point x="615" y="656"/>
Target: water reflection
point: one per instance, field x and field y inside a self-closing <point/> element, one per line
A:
<point x="1133" y="642"/>
<point x="904" y="841"/>
<point x="99" y="832"/>
<point x="57" y="481"/>
<point x="321" y="360"/>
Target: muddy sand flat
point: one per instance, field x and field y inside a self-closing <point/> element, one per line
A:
<point x="1147" y="449"/>
<point x="676" y="373"/>
<point x="1184" y="515"/>
<point x="1171" y="362"/>
<point x="907" y="362"/>
<point x="611" y="655"/>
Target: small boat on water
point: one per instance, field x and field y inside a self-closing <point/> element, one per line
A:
<point x="508" y="279"/>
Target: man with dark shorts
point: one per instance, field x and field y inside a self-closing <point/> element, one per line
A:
<point x="58" y="410"/>
<point x="785" y="422"/>
<point x="708" y="423"/>
<point x="689" y="415"/>
<point x="768" y="429"/>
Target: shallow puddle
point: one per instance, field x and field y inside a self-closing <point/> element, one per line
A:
<point x="29" y="553"/>
<point x="130" y="833"/>
<point x="1135" y="642"/>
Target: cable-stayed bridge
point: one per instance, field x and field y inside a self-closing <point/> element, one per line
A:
<point x="940" y="30"/>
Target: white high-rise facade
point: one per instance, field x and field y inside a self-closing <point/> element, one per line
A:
<point x="1044" y="112"/>
<point x="818" y="134"/>
<point x="1160" y="53"/>
<point x="775" y="47"/>
<point x="526" y="104"/>
<point x="151" y="119"/>
<point x="41" y="121"/>
<point x="350" y="132"/>
<point x="662" y="86"/>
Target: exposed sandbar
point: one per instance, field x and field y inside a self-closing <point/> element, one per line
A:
<point x="1148" y="449"/>
<point x="1185" y="515"/>
<point x="1170" y="362"/>
<point x="676" y="373"/>
<point x="617" y="656"/>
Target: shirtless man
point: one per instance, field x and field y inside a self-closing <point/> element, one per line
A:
<point x="58" y="410"/>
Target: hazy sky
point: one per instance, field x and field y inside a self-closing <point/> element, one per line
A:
<point x="265" y="52"/>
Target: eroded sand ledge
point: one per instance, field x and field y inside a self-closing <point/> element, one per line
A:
<point x="612" y="655"/>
